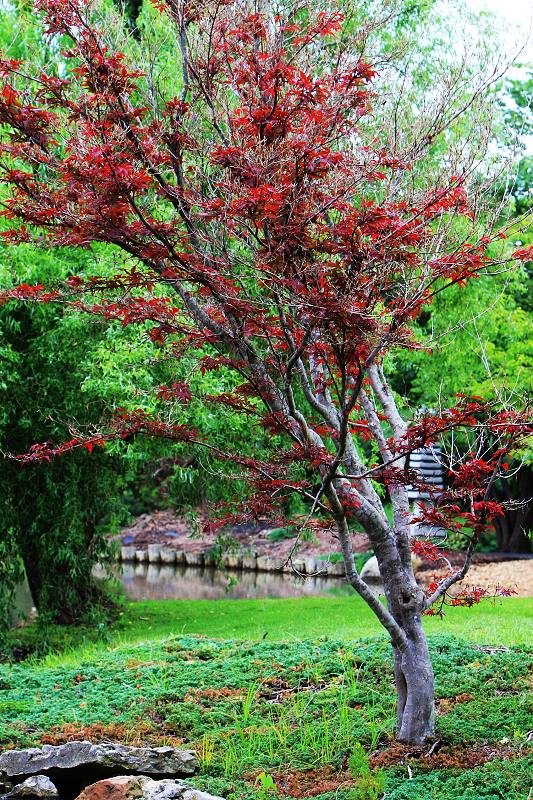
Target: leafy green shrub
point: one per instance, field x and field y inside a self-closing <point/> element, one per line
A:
<point x="281" y="534"/>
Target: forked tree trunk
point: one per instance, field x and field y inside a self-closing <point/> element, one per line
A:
<point x="413" y="671"/>
<point x="401" y="617"/>
<point x="413" y="674"/>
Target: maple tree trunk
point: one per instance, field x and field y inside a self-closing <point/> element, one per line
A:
<point x="413" y="675"/>
<point x="402" y="617"/>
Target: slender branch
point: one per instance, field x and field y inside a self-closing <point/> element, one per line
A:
<point x="372" y="600"/>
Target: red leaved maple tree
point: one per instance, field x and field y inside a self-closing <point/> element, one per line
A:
<point x="268" y="229"/>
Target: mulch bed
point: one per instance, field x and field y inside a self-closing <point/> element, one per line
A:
<point x="440" y="756"/>
<point x="313" y="782"/>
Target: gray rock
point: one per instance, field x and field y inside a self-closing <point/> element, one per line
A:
<point x="126" y="787"/>
<point x="262" y="562"/>
<point x="167" y="555"/>
<point x="127" y="553"/>
<point x="232" y="560"/>
<point x="154" y="553"/>
<point x="321" y="568"/>
<point x="335" y="570"/>
<point x="268" y="564"/>
<point x="195" y="794"/>
<point x="249" y="562"/>
<point x="35" y="786"/>
<point x="370" y="572"/>
<point x="297" y="565"/>
<point x="194" y="559"/>
<point x="151" y="760"/>
<point x="372" y="576"/>
<point x="312" y="565"/>
<point x="141" y="556"/>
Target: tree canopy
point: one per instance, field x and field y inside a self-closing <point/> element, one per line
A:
<point x="263" y="224"/>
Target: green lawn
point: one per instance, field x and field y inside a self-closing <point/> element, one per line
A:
<point x="506" y="622"/>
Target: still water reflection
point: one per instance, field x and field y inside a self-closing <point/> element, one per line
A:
<point x="165" y="582"/>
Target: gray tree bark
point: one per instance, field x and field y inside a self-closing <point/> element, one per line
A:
<point x="413" y="675"/>
<point x="413" y="672"/>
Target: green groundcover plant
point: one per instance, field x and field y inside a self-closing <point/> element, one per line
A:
<point x="314" y="700"/>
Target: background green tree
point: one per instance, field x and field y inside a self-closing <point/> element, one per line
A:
<point x="53" y="520"/>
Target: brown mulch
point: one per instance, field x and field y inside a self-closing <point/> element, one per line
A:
<point x="170" y="529"/>
<point x="138" y="733"/>
<point x="516" y="575"/>
<point x="76" y="732"/>
<point x="194" y="695"/>
<point x="459" y="757"/>
<point x="313" y="782"/>
<point x="446" y="704"/>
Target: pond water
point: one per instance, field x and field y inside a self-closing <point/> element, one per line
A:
<point x="167" y="582"/>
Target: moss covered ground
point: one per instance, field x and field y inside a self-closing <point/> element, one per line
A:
<point x="287" y="716"/>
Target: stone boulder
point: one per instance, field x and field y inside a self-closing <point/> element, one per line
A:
<point x="370" y="571"/>
<point x="102" y="759"/>
<point x="128" y="787"/>
<point x="372" y="576"/>
<point x="37" y="786"/>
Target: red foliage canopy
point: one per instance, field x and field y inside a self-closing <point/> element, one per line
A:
<point x="267" y="227"/>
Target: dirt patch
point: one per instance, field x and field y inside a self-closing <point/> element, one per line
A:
<point x="516" y="575"/>
<point x="169" y="529"/>
<point x="312" y="782"/>
<point x="435" y="757"/>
